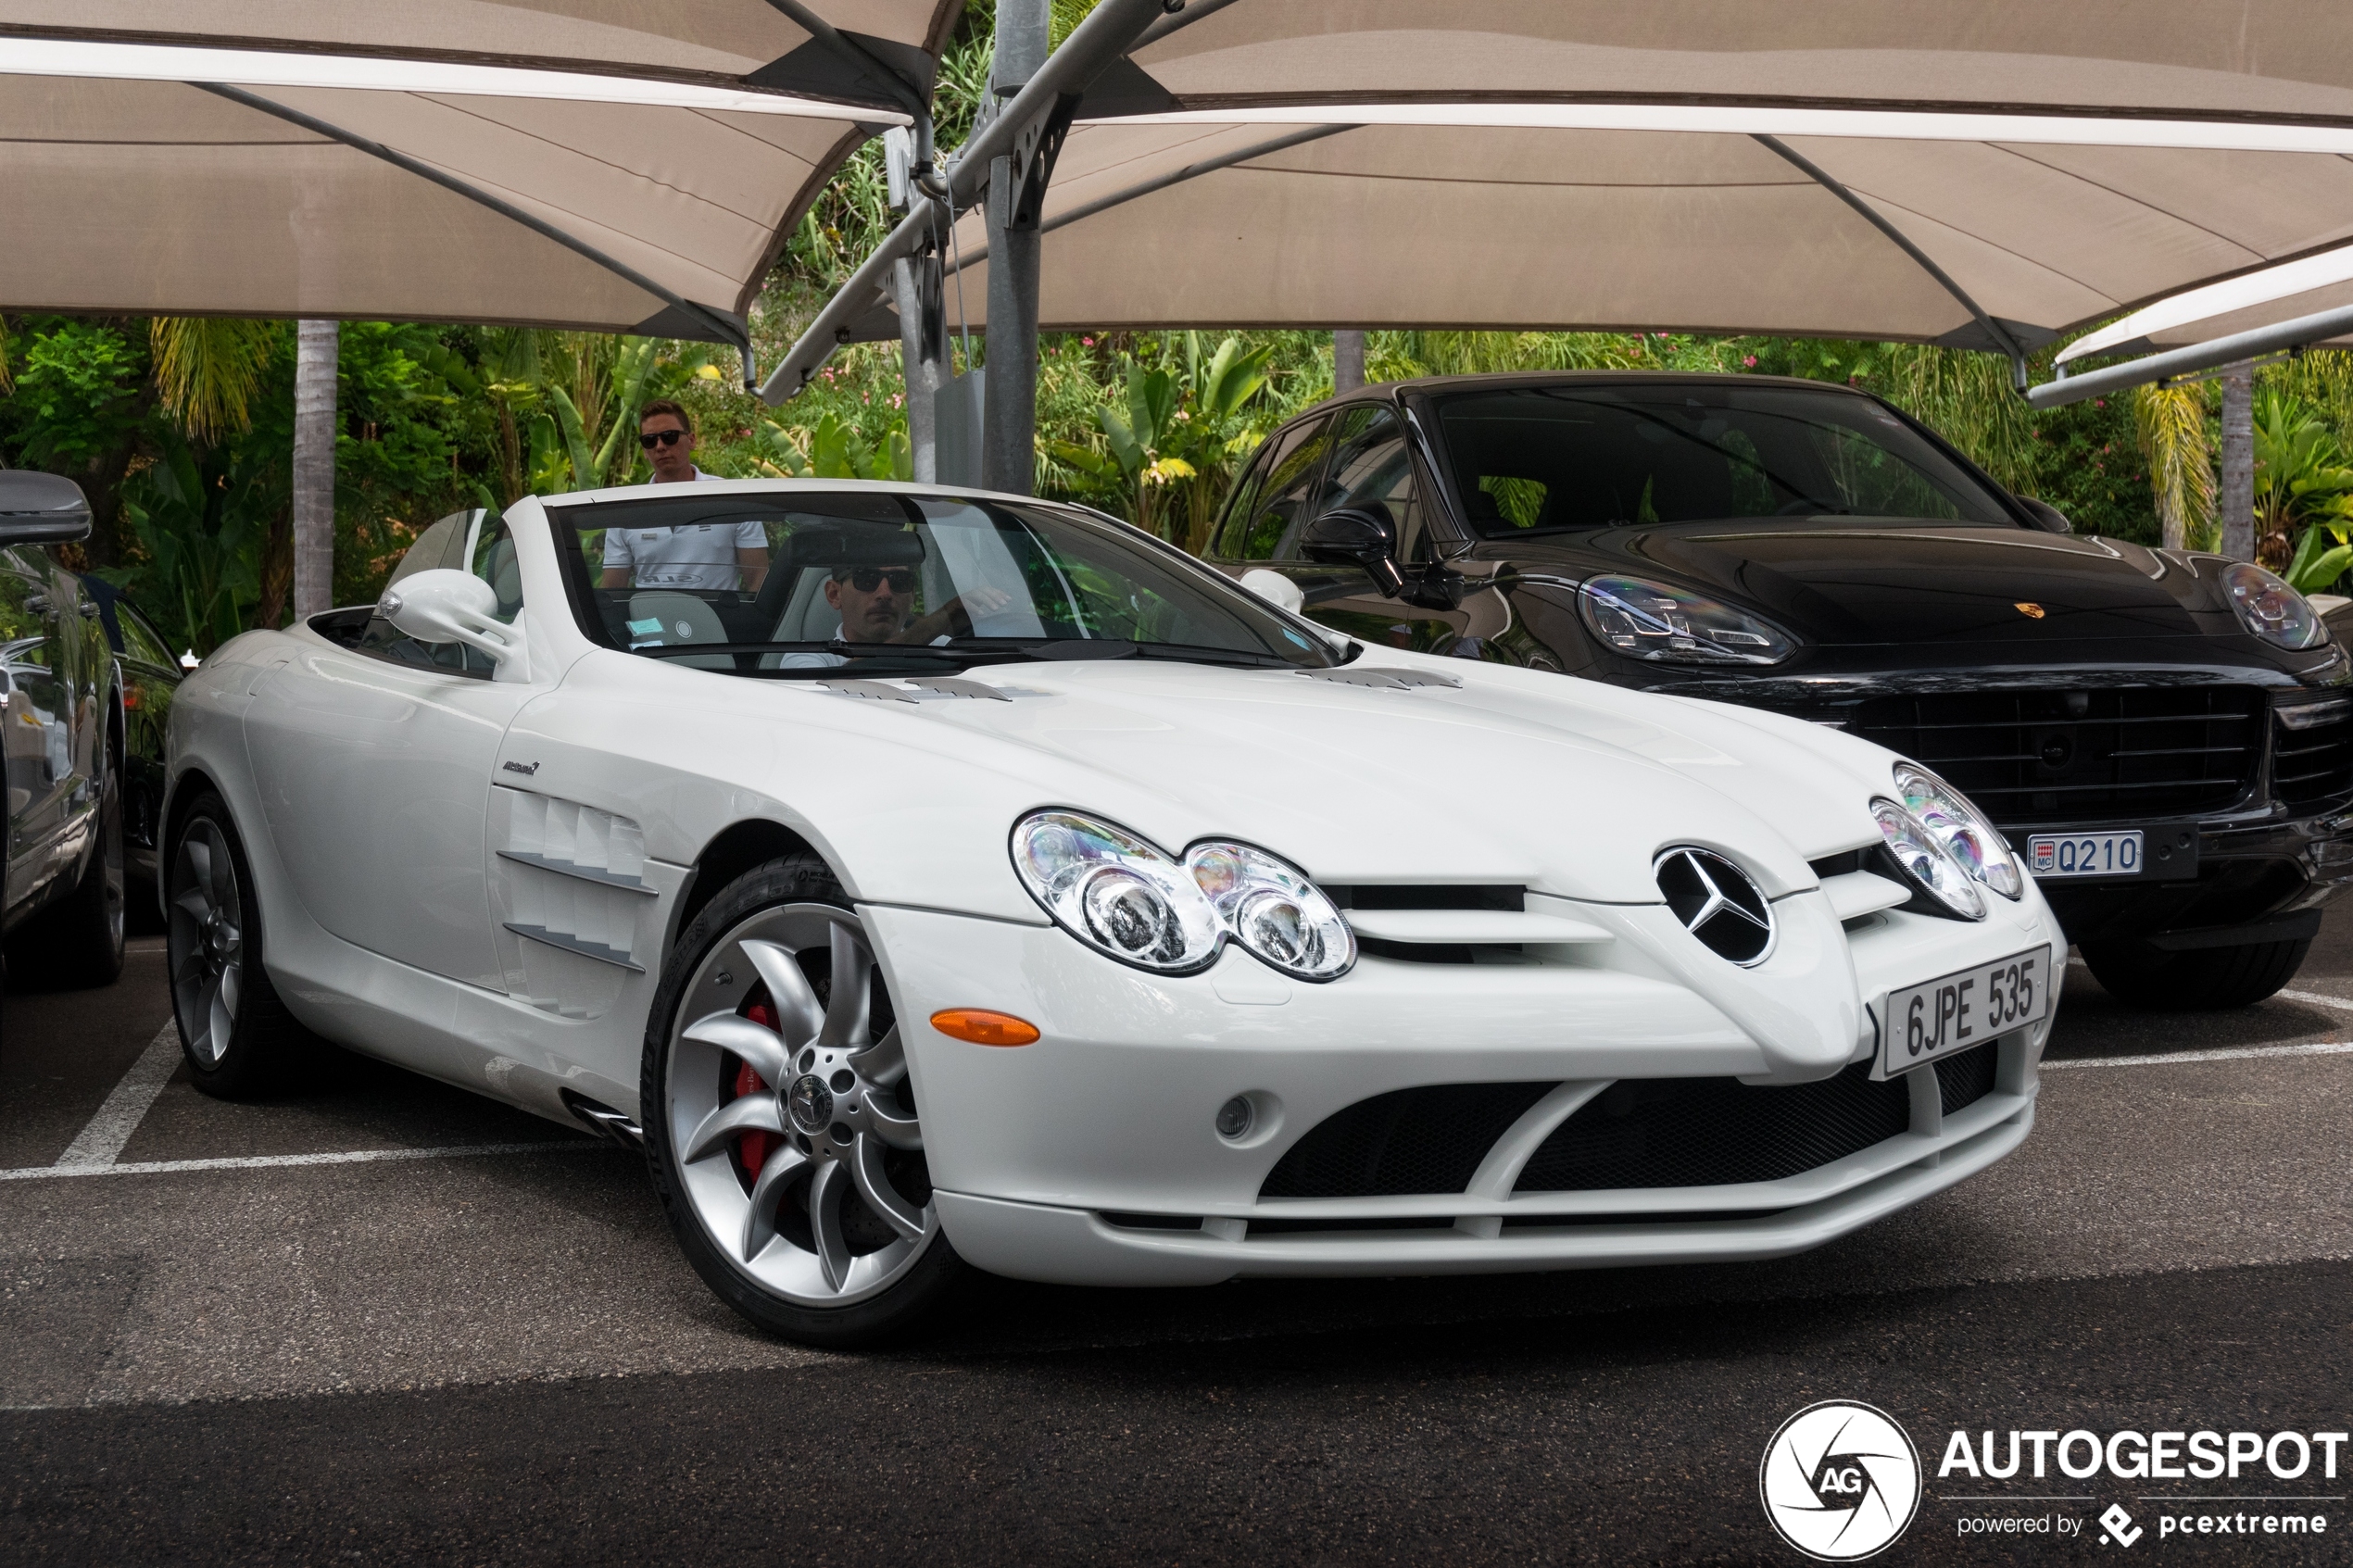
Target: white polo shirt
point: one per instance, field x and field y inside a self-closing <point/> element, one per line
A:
<point x="701" y="555"/>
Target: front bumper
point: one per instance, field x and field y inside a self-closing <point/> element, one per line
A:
<point x="1079" y="1158"/>
<point x="1076" y="1246"/>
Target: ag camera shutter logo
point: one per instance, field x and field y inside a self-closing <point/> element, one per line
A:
<point x="1840" y="1481"/>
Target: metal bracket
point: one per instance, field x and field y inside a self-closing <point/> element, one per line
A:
<point x="1035" y="148"/>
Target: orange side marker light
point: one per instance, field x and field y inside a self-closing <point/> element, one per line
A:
<point x="983" y="1027"/>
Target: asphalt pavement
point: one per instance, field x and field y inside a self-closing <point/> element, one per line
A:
<point x="379" y="1319"/>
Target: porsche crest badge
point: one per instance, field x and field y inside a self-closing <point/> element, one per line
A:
<point x="2031" y="612"/>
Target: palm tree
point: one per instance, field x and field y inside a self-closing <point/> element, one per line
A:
<point x="2170" y="423"/>
<point x="314" y="467"/>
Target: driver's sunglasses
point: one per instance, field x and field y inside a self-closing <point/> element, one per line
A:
<point x="662" y="438"/>
<point x="866" y="579"/>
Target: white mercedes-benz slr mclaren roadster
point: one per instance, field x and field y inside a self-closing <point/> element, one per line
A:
<point x="927" y="878"/>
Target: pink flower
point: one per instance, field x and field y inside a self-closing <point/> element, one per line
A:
<point x="1748" y="361"/>
<point x="1087" y="341"/>
<point x="2100" y="402"/>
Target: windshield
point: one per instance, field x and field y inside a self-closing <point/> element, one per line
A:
<point x="796" y="583"/>
<point x="1597" y="455"/>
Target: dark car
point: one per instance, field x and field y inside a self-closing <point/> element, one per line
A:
<point x="2165" y="737"/>
<point x="61" y="745"/>
<point x="149" y="674"/>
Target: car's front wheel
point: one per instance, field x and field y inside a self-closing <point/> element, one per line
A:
<point x="2141" y="974"/>
<point x="780" y="1122"/>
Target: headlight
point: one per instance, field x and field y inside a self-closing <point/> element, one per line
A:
<point x="1116" y="892"/>
<point x="1273" y="910"/>
<point x="1650" y="621"/>
<point x="1926" y="860"/>
<point x="1960" y="827"/>
<point x="1127" y="898"/>
<point x="2271" y="609"/>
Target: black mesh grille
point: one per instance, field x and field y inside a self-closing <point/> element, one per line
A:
<point x="2315" y="763"/>
<point x="1420" y="1140"/>
<point x="2057" y="757"/>
<point x="1710" y="1131"/>
<point x="1967" y="1078"/>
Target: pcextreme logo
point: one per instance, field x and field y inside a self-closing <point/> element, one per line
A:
<point x="1840" y="1481"/>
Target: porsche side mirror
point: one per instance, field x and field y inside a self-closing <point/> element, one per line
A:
<point x="2047" y="516"/>
<point x="41" y="508"/>
<point x="1356" y="537"/>
<point x="448" y="606"/>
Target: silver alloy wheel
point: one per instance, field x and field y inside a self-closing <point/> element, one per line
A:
<point x="207" y="944"/>
<point x="825" y="1222"/>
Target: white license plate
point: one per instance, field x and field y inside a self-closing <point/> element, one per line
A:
<point x="2052" y="855"/>
<point x="1965" y="1008"/>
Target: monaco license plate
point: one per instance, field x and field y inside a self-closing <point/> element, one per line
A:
<point x="1965" y="1008"/>
<point x="2052" y="855"/>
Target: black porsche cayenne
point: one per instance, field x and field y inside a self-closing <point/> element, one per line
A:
<point x="2165" y="737"/>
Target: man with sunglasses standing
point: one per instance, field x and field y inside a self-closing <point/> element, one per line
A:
<point x="720" y="556"/>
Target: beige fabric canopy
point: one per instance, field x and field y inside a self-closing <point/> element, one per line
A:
<point x="1435" y="225"/>
<point x="602" y="163"/>
<point x="1712" y="165"/>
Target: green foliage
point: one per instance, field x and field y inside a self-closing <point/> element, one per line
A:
<point x="2303" y="488"/>
<point x="81" y="390"/>
<point x="200" y="542"/>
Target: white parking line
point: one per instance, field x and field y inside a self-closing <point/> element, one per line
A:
<point x="272" y="1161"/>
<point x="2244" y="1053"/>
<point x="2316" y="996"/>
<point x="95" y="1146"/>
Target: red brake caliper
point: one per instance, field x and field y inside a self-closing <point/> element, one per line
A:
<point x="753" y="1147"/>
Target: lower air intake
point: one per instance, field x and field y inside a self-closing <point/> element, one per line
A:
<point x="1717" y="1131"/>
<point x="1428" y="1139"/>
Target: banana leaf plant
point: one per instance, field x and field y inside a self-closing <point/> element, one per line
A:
<point x="2303" y="491"/>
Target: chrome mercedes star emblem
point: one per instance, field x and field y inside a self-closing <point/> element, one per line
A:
<point x="1716" y="903"/>
<point x="811" y="1104"/>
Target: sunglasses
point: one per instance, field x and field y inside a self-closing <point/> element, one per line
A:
<point x="662" y="438"/>
<point x="866" y="579"/>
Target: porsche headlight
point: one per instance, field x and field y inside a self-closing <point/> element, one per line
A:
<point x="2271" y="609"/>
<point x="1960" y="827"/>
<point x="1124" y="897"/>
<point x="1650" y="621"/>
<point x="1925" y="859"/>
<point x="1273" y="911"/>
<point x="1116" y="892"/>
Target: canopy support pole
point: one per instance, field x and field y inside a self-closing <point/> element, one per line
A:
<point x="1822" y="177"/>
<point x="1092" y="48"/>
<point x="2182" y="363"/>
<point x="1016" y="188"/>
<point x="730" y="329"/>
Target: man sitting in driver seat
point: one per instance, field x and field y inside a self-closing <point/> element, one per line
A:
<point x="875" y="603"/>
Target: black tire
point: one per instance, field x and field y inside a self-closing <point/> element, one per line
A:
<point x="76" y="944"/>
<point x="719" y="1193"/>
<point x="242" y="1046"/>
<point x="2196" y="979"/>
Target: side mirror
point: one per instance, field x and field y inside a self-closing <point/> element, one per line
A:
<point x="2047" y="516"/>
<point x="1274" y="588"/>
<point x="1356" y="537"/>
<point x="41" y="508"/>
<point x="448" y="606"/>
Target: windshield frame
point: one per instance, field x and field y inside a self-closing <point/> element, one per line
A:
<point x="1430" y="400"/>
<point x="1322" y="647"/>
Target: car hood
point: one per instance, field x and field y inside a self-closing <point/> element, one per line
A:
<point x="1512" y="776"/>
<point x="1837" y="581"/>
